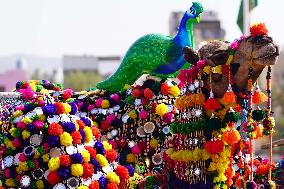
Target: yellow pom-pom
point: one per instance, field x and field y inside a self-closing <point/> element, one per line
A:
<point x="37" y="154"/>
<point x="41" y="117"/>
<point x="40" y="184"/>
<point x="76" y="170"/>
<point x="88" y="134"/>
<point x="67" y="108"/>
<point x="66" y="139"/>
<point x="132" y="114"/>
<point x="86" y="155"/>
<point x="174" y="91"/>
<point x="17" y="113"/>
<point x="126" y="87"/>
<point x="45" y="158"/>
<point x="161" y="109"/>
<point x="54" y="164"/>
<point x="131" y="158"/>
<point x="27" y="120"/>
<point x="10" y="182"/>
<point x="26" y="134"/>
<point x="205" y="155"/>
<point x="207" y="69"/>
<point x="107" y="145"/>
<point x="113" y="177"/>
<point x="154" y="143"/>
<point x="101" y="160"/>
<point x="105" y="104"/>
<point x="83" y="187"/>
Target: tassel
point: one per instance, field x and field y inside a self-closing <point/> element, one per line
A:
<point x="269" y="185"/>
<point x="211" y="103"/>
<point x="258" y="96"/>
<point x="251" y="185"/>
<point x="258" y="115"/>
<point x="229" y="96"/>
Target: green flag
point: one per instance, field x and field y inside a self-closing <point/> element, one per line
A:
<point x="240" y="21"/>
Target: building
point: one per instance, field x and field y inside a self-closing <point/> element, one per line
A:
<point x="209" y="27"/>
<point x="9" y="78"/>
<point x="104" y="65"/>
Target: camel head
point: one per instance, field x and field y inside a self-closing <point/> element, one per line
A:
<point x="256" y="52"/>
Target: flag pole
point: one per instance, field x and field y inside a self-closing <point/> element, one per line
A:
<point x="246" y="17"/>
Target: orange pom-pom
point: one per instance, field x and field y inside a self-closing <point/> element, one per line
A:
<point x="231" y="137"/>
<point x="258" y="29"/>
<point x="258" y="97"/>
<point x="229" y="96"/>
<point x="111" y="155"/>
<point x="96" y="132"/>
<point x="94" y="185"/>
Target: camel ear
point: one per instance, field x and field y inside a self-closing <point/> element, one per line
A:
<point x="190" y="55"/>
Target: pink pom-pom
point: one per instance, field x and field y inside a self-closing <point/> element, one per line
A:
<point x="39" y="124"/>
<point x="110" y="118"/>
<point x="115" y="97"/>
<point x="21" y="107"/>
<point x="200" y="64"/>
<point x="135" y="150"/>
<point x="7" y="173"/>
<point x="99" y="102"/>
<point x="113" y="143"/>
<point x="143" y="114"/>
<point x="22" y="157"/>
<point x="41" y="103"/>
<point x="45" y="147"/>
<point x="16" y="142"/>
<point x="90" y="107"/>
<point x="21" y="125"/>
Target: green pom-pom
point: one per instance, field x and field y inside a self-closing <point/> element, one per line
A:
<point x="258" y="115"/>
<point x="40" y="150"/>
<point x="150" y="180"/>
<point x="30" y="164"/>
<point x="17" y="133"/>
<point x="156" y="88"/>
<point x="129" y="100"/>
<point x="231" y="117"/>
<point x="38" y="88"/>
<point x="213" y="124"/>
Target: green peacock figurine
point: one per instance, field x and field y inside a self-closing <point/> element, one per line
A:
<point x="155" y="54"/>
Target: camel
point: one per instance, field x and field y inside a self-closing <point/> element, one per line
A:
<point x="256" y="52"/>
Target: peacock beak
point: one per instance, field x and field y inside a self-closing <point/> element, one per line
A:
<point x="197" y="19"/>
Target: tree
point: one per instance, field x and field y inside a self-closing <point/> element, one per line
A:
<point x="81" y="80"/>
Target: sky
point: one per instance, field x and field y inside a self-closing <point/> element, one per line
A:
<point x="108" y="27"/>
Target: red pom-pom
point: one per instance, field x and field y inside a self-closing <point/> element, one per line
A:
<point x="92" y="151"/>
<point x="136" y="93"/>
<point x="258" y="29"/>
<point x="59" y="108"/>
<point x="88" y="170"/>
<point x="148" y="93"/>
<point x="53" y="178"/>
<point x="165" y="89"/>
<point x="94" y="185"/>
<point x="111" y="155"/>
<point x="77" y="138"/>
<point x="55" y="129"/>
<point x="65" y="160"/>
<point x="96" y="132"/>
<point x="122" y="172"/>
<point x="67" y="94"/>
<point x="104" y="125"/>
<point x="81" y="124"/>
<point x="111" y="185"/>
<point x="214" y="147"/>
<point x="212" y="104"/>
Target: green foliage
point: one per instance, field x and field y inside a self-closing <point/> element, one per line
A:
<point x="81" y="80"/>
